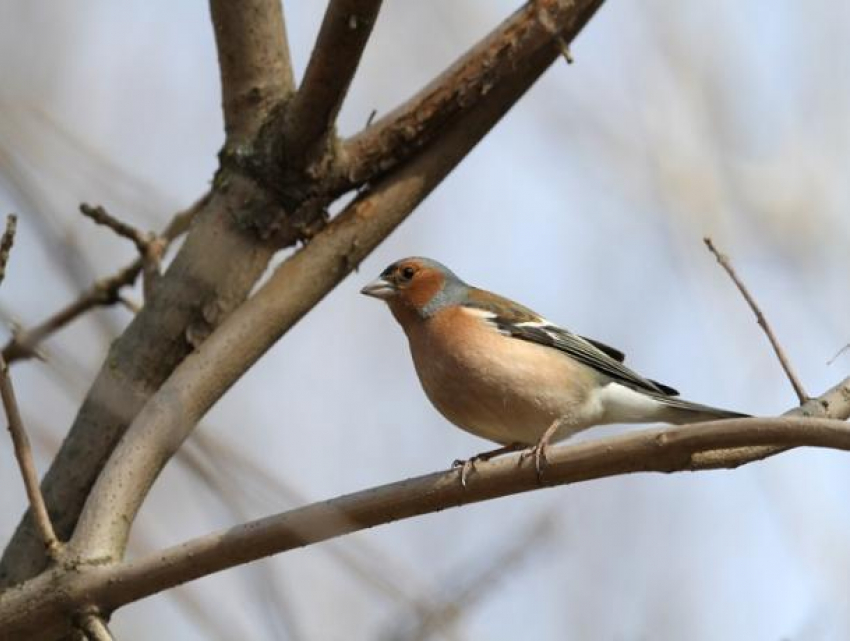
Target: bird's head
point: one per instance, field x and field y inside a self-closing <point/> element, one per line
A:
<point x="421" y="285"/>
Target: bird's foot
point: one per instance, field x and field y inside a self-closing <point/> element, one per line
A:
<point x="468" y="465"/>
<point x="538" y="454"/>
<point x="541" y="449"/>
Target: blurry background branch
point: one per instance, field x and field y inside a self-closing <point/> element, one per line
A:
<point x="470" y="584"/>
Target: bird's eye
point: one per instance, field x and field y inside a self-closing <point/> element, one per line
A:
<point x="407" y="272"/>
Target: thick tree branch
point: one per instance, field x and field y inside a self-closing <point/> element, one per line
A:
<point x="253" y="58"/>
<point x="36" y="607"/>
<point x="345" y="31"/>
<point x="537" y="28"/>
<point x="726" y="264"/>
<point x="296" y="287"/>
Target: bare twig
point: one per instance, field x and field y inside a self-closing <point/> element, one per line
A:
<point x="129" y="304"/>
<point x="104" y="292"/>
<point x="762" y="321"/>
<point x="342" y="38"/>
<point x="150" y="246"/>
<point x="838" y="353"/>
<point x="565" y="50"/>
<point x="100" y="216"/>
<point x="23" y="451"/>
<point x="94" y="627"/>
<point x="6" y="243"/>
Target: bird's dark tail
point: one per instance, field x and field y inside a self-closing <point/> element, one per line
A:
<point x="680" y="412"/>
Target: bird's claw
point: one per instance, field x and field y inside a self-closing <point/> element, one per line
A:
<point x="466" y="466"/>
<point x="539" y="454"/>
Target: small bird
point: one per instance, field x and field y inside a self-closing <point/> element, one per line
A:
<point x="499" y="370"/>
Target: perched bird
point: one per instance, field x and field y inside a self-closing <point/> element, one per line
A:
<point x="499" y="370"/>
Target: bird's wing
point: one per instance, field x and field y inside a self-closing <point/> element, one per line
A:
<point x="522" y="323"/>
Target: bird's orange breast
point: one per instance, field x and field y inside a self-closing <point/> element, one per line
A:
<point x="501" y="388"/>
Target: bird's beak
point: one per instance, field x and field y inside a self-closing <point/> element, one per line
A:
<point x="379" y="288"/>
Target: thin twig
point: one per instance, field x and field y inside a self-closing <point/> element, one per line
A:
<point x="100" y="216"/>
<point x="565" y="50"/>
<point x="6" y="243"/>
<point x="23" y="451"/>
<point x="150" y="246"/>
<point x="94" y="627"/>
<point x="837" y="354"/>
<point x="762" y="321"/>
<point x="24" y="343"/>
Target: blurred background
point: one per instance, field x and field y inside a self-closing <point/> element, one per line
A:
<point x="588" y="203"/>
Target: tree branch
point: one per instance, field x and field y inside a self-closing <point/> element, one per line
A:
<point x="23" y="454"/>
<point x="38" y="606"/>
<point x="726" y="264"/>
<point x="834" y="403"/>
<point x="99" y="216"/>
<point x="24" y="344"/>
<point x="20" y="441"/>
<point x="6" y="243"/>
<point x="342" y="38"/>
<point x="254" y="62"/>
<point x="295" y="288"/>
<point x="226" y="251"/>
<point x="535" y="30"/>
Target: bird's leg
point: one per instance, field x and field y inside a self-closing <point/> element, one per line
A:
<point x="539" y="450"/>
<point x="467" y="465"/>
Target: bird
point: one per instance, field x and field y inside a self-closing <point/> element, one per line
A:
<point x="499" y="370"/>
